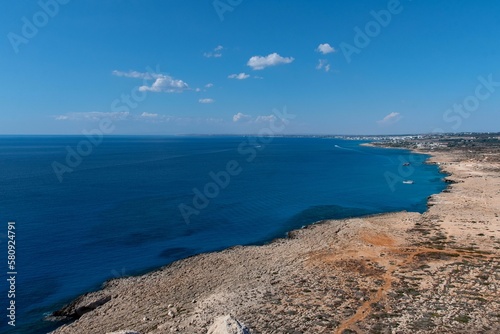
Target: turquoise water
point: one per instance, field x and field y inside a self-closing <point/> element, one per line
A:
<point x="118" y="213"/>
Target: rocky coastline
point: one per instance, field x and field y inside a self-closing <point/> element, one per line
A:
<point x="404" y="272"/>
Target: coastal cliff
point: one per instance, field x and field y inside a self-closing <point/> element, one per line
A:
<point x="392" y="273"/>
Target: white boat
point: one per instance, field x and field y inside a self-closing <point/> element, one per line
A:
<point x="408" y="182"/>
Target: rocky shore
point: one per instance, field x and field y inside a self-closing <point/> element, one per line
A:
<point x="404" y="272"/>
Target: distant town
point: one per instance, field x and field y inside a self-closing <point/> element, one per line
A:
<point x="433" y="141"/>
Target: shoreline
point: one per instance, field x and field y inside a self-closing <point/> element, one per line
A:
<point x="373" y="249"/>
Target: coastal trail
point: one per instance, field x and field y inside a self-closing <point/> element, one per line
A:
<point x="394" y="252"/>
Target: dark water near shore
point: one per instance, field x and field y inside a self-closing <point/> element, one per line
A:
<point x="117" y="213"/>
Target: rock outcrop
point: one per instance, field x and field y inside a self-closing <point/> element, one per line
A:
<point x="81" y="305"/>
<point x="227" y="325"/>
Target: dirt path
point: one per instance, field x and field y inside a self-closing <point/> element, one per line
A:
<point x="388" y="277"/>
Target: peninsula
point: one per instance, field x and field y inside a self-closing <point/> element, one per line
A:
<point x="401" y="272"/>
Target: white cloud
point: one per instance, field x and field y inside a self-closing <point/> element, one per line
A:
<point x="156" y="118"/>
<point x="209" y="85"/>
<point x="241" y="76"/>
<point x="210" y="55"/>
<point x="240" y="117"/>
<point x="259" y="63"/>
<point x="392" y="118"/>
<point x="149" y="115"/>
<point x="166" y="84"/>
<point x="216" y="53"/>
<point x="323" y="64"/>
<point x="162" y="82"/>
<point x="206" y="101"/>
<point x="325" y="49"/>
<point x="261" y="119"/>
<point x="93" y="116"/>
<point x="133" y="74"/>
<point x="126" y="116"/>
<point x="159" y="118"/>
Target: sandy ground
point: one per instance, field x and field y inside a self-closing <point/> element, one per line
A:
<point x="436" y="272"/>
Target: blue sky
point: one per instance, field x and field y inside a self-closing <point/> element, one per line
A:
<point x="235" y="66"/>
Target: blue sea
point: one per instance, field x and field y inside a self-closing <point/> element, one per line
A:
<point x="128" y="205"/>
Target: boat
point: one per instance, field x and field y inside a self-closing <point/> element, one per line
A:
<point x="408" y="182"/>
<point x="406" y="164"/>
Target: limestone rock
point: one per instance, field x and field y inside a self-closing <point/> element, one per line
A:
<point x="227" y="325"/>
<point x="82" y="305"/>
